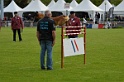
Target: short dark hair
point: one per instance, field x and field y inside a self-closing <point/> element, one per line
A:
<point x="15" y="12"/>
<point x="72" y="12"/>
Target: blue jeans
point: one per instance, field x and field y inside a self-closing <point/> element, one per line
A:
<point x="46" y="46"/>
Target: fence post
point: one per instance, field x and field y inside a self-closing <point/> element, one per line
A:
<point x="62" y="54"/>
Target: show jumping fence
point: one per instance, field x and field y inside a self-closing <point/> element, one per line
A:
<point x="73" y="46"/>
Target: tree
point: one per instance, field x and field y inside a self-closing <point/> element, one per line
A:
<point x="20" y="3"/>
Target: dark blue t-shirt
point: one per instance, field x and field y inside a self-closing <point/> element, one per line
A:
<point x="45" y="27"/>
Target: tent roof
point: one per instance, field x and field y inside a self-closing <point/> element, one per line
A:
<point x="73" y="3"/>
<point x="86" y="5"/>
<point x="120" y="7"/>
<point x="51" y="3"/>
<point x="35" y="5"/>
<point x="59" y="6"/>
<point x="12" y="7"/>
<point x="105" y="4"/>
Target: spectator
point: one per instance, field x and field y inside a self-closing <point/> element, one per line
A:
<point x="97" y="16"/>
<point x="16" y="25"/>
<point x="5" y="21"/>
<point x="84" y="21"/>
<point x="108" y="24"/>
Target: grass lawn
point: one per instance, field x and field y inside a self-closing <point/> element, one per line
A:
<point x="19" y="61"/>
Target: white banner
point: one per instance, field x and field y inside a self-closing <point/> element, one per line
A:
<point x="66" y="5"/>
<point x="73" y="46"/>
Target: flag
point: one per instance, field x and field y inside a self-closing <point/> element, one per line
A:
<point x="73" y="46"/>
<point x="111" y="15"/>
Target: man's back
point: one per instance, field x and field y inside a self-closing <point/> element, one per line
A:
<point x="45" y="27"/>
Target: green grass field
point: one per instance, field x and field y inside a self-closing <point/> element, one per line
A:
<point x="19" y="61"/>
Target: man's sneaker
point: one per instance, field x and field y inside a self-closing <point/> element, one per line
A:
<point x="43" y="68"/>
<point x="49" y="69"/>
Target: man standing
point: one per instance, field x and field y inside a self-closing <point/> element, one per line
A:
<point x="73" y="21"/>
<point x="97" y="17"/>
<point x="46" y="37"/>
<point x="16" y="25"/>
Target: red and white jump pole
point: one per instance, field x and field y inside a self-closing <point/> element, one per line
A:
<point x="72" y="30"/>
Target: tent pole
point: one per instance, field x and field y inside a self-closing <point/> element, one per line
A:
<point x="2" y="9"/>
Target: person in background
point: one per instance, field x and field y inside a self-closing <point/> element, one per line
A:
<point x="16" y="25"/>
<point x="73" y="21"/>
<point x="46" y="37"/>
<point x="84" y="21"/>
<point x="108" y="24"/>
<point x="97" y="17"/>
<point x="5" y="21"/>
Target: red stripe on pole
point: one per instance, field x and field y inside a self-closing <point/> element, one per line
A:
<point x="76" y="45"/>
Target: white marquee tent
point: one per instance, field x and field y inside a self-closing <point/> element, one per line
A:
<point x="73" y="3"/>
<point x="51" y="3"/>
<point x="87" y="6"/>
<point x="35" y="5"/>
<point x="12" y="7"/>
<point x="59" y="6"/>
<point x="106" y="5"/>
<point x="119" y="9"/>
